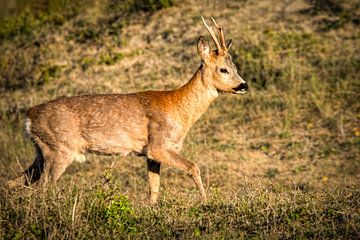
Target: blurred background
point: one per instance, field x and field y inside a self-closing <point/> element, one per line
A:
<point x="297" y="129"/>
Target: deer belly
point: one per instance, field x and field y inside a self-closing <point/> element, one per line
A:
<point x="116" y="141"/>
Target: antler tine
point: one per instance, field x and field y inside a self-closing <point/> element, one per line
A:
<point x="221" y="34"/>
<point x="213" y="36"/>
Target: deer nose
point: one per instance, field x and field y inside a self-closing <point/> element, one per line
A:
<point x="243" y="87"/>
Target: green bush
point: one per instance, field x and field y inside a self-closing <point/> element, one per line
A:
<point x="113" y="209"/>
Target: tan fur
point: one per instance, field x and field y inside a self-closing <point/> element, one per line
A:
<point x="151" y="124"/>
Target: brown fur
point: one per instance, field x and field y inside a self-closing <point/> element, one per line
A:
<point x="151" y="124"/>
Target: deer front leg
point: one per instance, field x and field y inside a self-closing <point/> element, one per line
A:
<point x="153" y="170"/>
<point x="173" y="159"/>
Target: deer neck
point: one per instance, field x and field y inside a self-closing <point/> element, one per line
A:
<point x="193" y="99"/>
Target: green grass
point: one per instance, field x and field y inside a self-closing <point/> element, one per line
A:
<point x="281" y="162"/>
<point x="100" y="212"/>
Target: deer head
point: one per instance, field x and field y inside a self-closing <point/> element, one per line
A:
<point x="220" y="71"/>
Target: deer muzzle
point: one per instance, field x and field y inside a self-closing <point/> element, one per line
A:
<point x="242" y="88"/>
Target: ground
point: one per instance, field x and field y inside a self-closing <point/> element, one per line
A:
<point x="281" y="161"/>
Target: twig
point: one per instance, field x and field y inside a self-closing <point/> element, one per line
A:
<point x="73" y="211"/>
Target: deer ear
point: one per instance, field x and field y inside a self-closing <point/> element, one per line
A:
<point x="203" y="48"/>
<point x="229" y="44"/>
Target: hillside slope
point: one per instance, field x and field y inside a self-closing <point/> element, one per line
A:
<point x="280" y="161"/>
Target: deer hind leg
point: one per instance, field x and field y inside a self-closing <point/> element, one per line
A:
<point x="32" y="174"/>
<point x="153" y="170"/>
<point x="56" y="162"/>
<point x="175" y="160"/>
<point x="48" y="165"/>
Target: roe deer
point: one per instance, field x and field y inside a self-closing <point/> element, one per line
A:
<point x="152" y="124"/>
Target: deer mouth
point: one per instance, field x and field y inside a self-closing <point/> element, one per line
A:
<point x="241" y="89"/>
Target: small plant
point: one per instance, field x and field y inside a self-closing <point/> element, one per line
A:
<point x="113" y="208"/>
<point x="86" y="35"/>
<point x="271" y="173"/>
<point x="48" y="75"/>
<point x="110" y="58"/>
<point x="119" y="213"/>
<point x="86" y="62"/>
<point x="262" y="146"/>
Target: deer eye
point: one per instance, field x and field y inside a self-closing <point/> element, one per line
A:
<point x="224" y="70"/>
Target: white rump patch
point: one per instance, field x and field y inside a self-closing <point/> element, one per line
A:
<point x="28" y="126"/>
<point x="80" y="158"/>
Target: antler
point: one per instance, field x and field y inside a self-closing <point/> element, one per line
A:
<point x="221" y="34"/>
<point x="221" y="47"/>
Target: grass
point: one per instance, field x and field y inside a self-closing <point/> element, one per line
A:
<point x="101" y="212"/>
<point x="282" y="161"/>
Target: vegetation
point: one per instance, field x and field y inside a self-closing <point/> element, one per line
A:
<point x="281" y="162"/>
<point x="97" y="213"/>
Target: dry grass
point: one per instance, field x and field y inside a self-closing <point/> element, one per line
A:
<point x="282" y="161"/>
